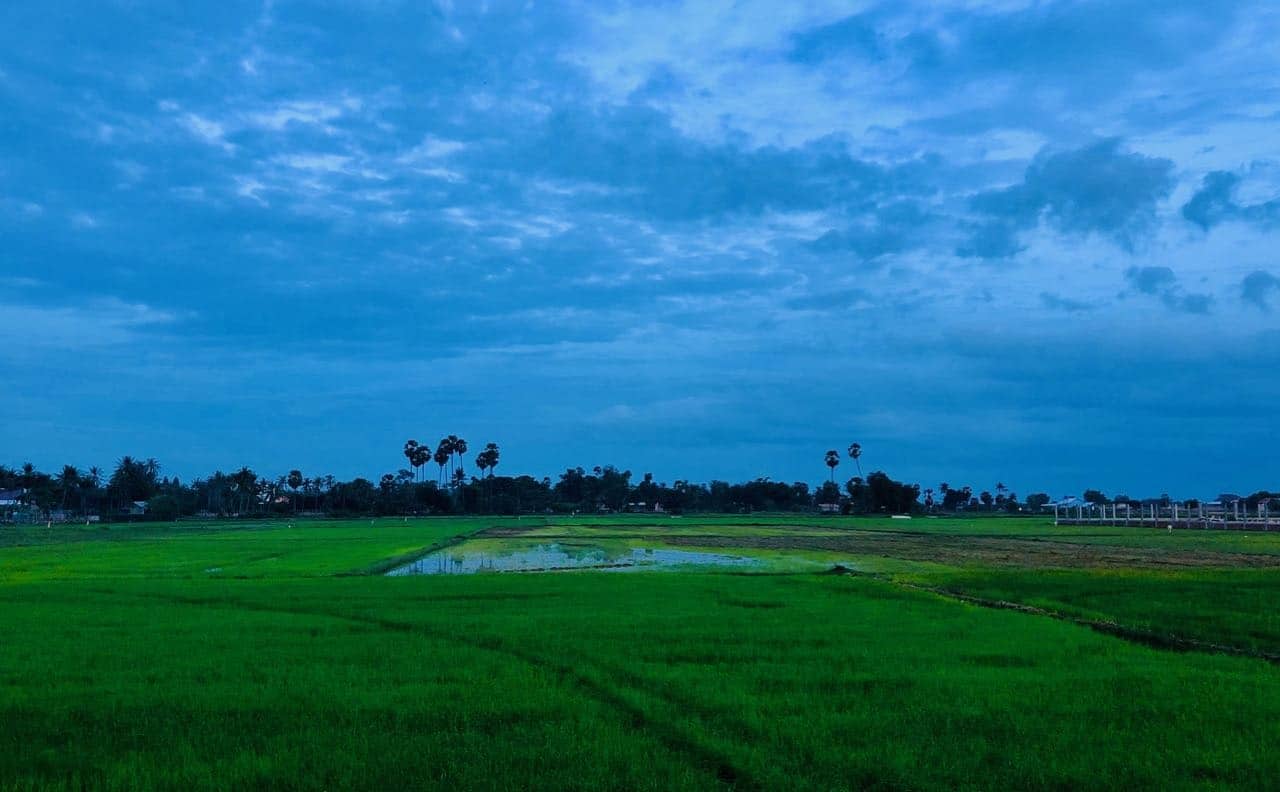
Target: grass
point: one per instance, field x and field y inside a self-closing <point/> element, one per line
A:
<point x="124" y="664"/>
<point x="1228" y="607"/>
<point x="304" y="549"/>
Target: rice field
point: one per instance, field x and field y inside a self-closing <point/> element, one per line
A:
<point x="845" y="654"/>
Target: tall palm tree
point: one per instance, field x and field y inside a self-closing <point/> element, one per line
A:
<point x="411" y="453"/>
<point x="855" y="453"/>
<point x="451" y="445"/>
<point x="833" y="461"/>
<point x="488" y="459"/>
<point x="460" y="448"/>
<point x="295" y="480"/>
<point x="442" y="456"/>
<point x="420" y="458"/>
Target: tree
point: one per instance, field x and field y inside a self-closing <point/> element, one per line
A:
<point x="134" y="480"/>
<point x="246" y="484"/>
<point x="295" y="481"/>
<point x="894" y="497"/>
<point x="460" y="448"/>
<point x="421" y="457"/>
<point x="855" y="453"/>
<point x="1037" y="501"/>
<point x="1095" y="497"/>
<point x="986" y="499"/>
<point x="412" y="453"/>
<point x="833" y="461"/>
<point x="491" y="455"/>
<point x="89" y="484"/>
<point x="68" y="480"/>
<point x="859" y="495"/>
<point x="451" y="445"/>
<point x="487" y="459"/>
<point x="442" y="456"/>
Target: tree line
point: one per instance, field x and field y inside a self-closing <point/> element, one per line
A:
<point x="137" y="489"/>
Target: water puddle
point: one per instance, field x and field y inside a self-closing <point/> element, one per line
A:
<point x="556" y="557"/>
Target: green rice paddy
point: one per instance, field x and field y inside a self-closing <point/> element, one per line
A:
<point x="226" y="656"/>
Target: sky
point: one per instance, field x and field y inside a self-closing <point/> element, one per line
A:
<point x="1025" y="241"/>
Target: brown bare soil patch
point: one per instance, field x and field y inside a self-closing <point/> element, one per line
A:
<point x="987" y="551"/>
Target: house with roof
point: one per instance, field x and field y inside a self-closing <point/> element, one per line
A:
<point x="13" y="506"/>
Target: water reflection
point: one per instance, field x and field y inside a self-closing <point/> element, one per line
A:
<point x="556" y="557"/>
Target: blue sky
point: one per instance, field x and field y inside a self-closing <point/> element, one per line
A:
<point x="1033" y="242"/>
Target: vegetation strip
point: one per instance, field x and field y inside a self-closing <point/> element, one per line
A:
<point x="1154" y="640"/>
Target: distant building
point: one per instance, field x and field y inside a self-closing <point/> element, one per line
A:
<point x="641" y="506"/>
<point x="137" y="509"/>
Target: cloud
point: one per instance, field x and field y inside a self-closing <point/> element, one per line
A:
<point x="884" y="230"/>
<point x="206" y="130"/>
<point x="303" y="113"/>
<point x="430" y="148"/>
<point x="1215" y="203"/>
<point x="1056" y="303"/>
<point x="1258" y="287"/>
<point x="660" y="172"/>
<point x="1097" y="189"/>
<point x="94" y="324"/>
<point x="1151" y="280"/>
<point x="1161" y="282"/>
<point x="626" y="203"/>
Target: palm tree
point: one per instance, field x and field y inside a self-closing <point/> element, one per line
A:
<point x="295" y="481"/>
<point x="91" y="482"/>
<point x="442" y="457"/>
<point x="420" y="458"/>
<point x="451" y="443"/>
<point x="460" y="448"/>
<point x="246" y="483"/>
<point x="855" y="453"/>
<point x="833" y="461"/>
<point x="491" y="449"/>
<point x="411" y="453"/>
<point x="488" y="459"/>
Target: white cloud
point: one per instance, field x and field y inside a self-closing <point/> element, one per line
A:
<point x="303" y="113"/>
<point x="431" y="147"/>
<point x="206" y="130"/>
<point x="84" y="221"/>
<point x="324" y="163"/>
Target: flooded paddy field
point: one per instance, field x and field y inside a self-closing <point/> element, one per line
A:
<point x="469" y="558"/>
<point x="495" y="652"/>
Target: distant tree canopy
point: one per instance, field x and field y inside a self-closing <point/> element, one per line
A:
<point x="879" y="494"/>
<point x="135" y="489"/>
